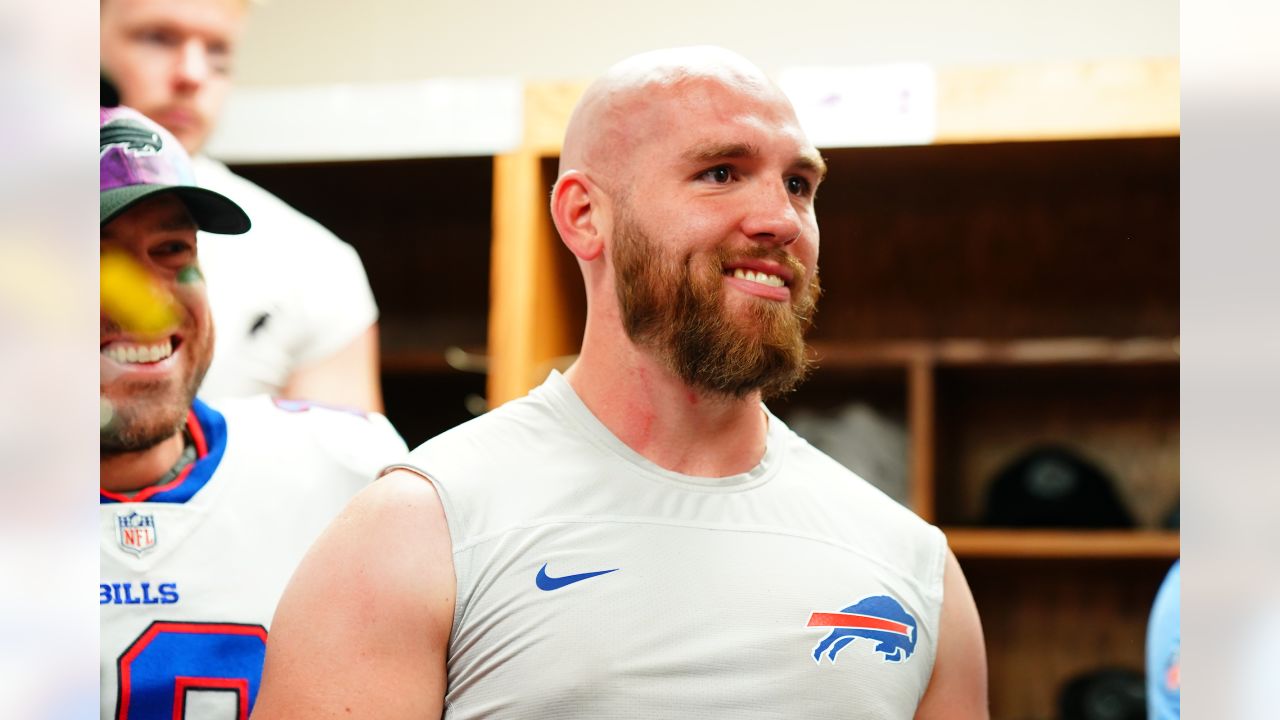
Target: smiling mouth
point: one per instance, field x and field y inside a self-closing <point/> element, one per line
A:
<point x="131" y="353"/>
<point x="754" y="276"/>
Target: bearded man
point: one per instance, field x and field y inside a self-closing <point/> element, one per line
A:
<point x="640" y="537"/>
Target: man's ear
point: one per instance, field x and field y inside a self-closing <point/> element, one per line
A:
<point x="577" y="210"/>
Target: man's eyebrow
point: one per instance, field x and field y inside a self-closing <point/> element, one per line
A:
<point x="812" y="162"/>
<point x="711" y="152"/>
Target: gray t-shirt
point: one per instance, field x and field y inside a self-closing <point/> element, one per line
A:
<point x="592" y="583"/>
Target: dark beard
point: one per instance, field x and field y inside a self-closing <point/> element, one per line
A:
<point x="136" y="429"/>
<point x="677" y="310"/>
<point x="111" y="444"/>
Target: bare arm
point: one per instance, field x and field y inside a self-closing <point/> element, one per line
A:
<point x="363" y="628"/>
<point x="958" y="688"/>
<point x="349" y="377"/>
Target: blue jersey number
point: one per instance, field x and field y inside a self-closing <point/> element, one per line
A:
<point x="170" y="659"/>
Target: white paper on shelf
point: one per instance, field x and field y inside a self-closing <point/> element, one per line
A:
<point x="440" y="117"/>
<point x="864" y="105"/>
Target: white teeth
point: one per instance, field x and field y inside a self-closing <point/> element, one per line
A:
<point x="129" y="353"/>
<point x="759" y="277"/>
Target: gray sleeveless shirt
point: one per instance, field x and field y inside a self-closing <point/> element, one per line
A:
<point x="592" y="583"/>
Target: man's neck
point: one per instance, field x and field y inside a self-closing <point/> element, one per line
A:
<point x="655" y="413"/>
<point x="131" y="472"/>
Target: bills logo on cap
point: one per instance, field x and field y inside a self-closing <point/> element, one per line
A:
<point x="136" y="532"/>
<point x="134" y="151"/>
<point x="129" y="134"/>
<point x="879" y="618"/>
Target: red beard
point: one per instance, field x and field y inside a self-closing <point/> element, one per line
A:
<point x="678" y="311"/>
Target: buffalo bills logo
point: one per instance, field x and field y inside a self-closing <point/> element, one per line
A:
<point x="879" y="618"/>
<point x="129" y="134"/>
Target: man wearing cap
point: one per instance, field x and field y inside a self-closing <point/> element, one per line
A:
<point x="639" y="537"/>
<point x="296" y="317"/>
<point x="204" y="512"/>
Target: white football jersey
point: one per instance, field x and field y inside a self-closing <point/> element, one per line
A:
<point x="192" y="569"/>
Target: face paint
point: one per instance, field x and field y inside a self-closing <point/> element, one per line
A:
<point x="189" y="275"/>
<point x="130" y="298"/>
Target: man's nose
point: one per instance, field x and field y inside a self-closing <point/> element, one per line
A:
<point x="193" y="63"/>
<point x="772" y="216"/>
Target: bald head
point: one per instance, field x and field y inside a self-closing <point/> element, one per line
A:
<point x="686" y="192"/>
<point x="642" y="97"/>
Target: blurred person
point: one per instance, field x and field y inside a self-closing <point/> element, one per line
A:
<point x="204" y="511"/>
<point x="1164" y="649"/>
<point x="294" y="308"/>
<point x="640" y="537"/>
<point x="47" y="669"/>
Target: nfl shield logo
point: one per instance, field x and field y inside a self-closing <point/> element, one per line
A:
<point x="136" y="532"/>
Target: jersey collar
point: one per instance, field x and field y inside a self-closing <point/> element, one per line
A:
<point x="209" y="433"/>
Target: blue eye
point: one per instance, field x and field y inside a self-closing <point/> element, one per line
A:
<point x="798" y="186"/>
<point x="719" y="174"/>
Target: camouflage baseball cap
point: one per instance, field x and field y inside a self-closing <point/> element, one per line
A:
<point x="138" y="158"/>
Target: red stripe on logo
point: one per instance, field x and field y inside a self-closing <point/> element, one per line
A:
<point x="849" y="620"/>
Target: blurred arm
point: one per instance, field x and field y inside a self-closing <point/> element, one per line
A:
<point x="363" y="628"/>
<point x="350" y="377"/>
<point x="958" y="688"/>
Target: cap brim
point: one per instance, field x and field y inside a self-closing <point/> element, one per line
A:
<point x="211" y="211"/>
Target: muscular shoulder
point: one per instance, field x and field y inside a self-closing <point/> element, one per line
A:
<point x="379" y="584"/>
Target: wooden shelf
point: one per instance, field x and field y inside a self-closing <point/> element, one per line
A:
<point x="1116" y="98"/>
<point x="1073" y="544"/>
<point x="1058" y="351"/>
<point x="842" y="355"/>
<point x="960" y="352"/>
<point x="431" y="360"/>
<point x="1059" y="101"/>
<point x="404" y="360"/>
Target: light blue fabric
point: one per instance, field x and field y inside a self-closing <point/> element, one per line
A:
<point x="1164" y="641"/>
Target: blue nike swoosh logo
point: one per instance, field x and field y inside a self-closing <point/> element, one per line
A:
<point x="546" y="582"/>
